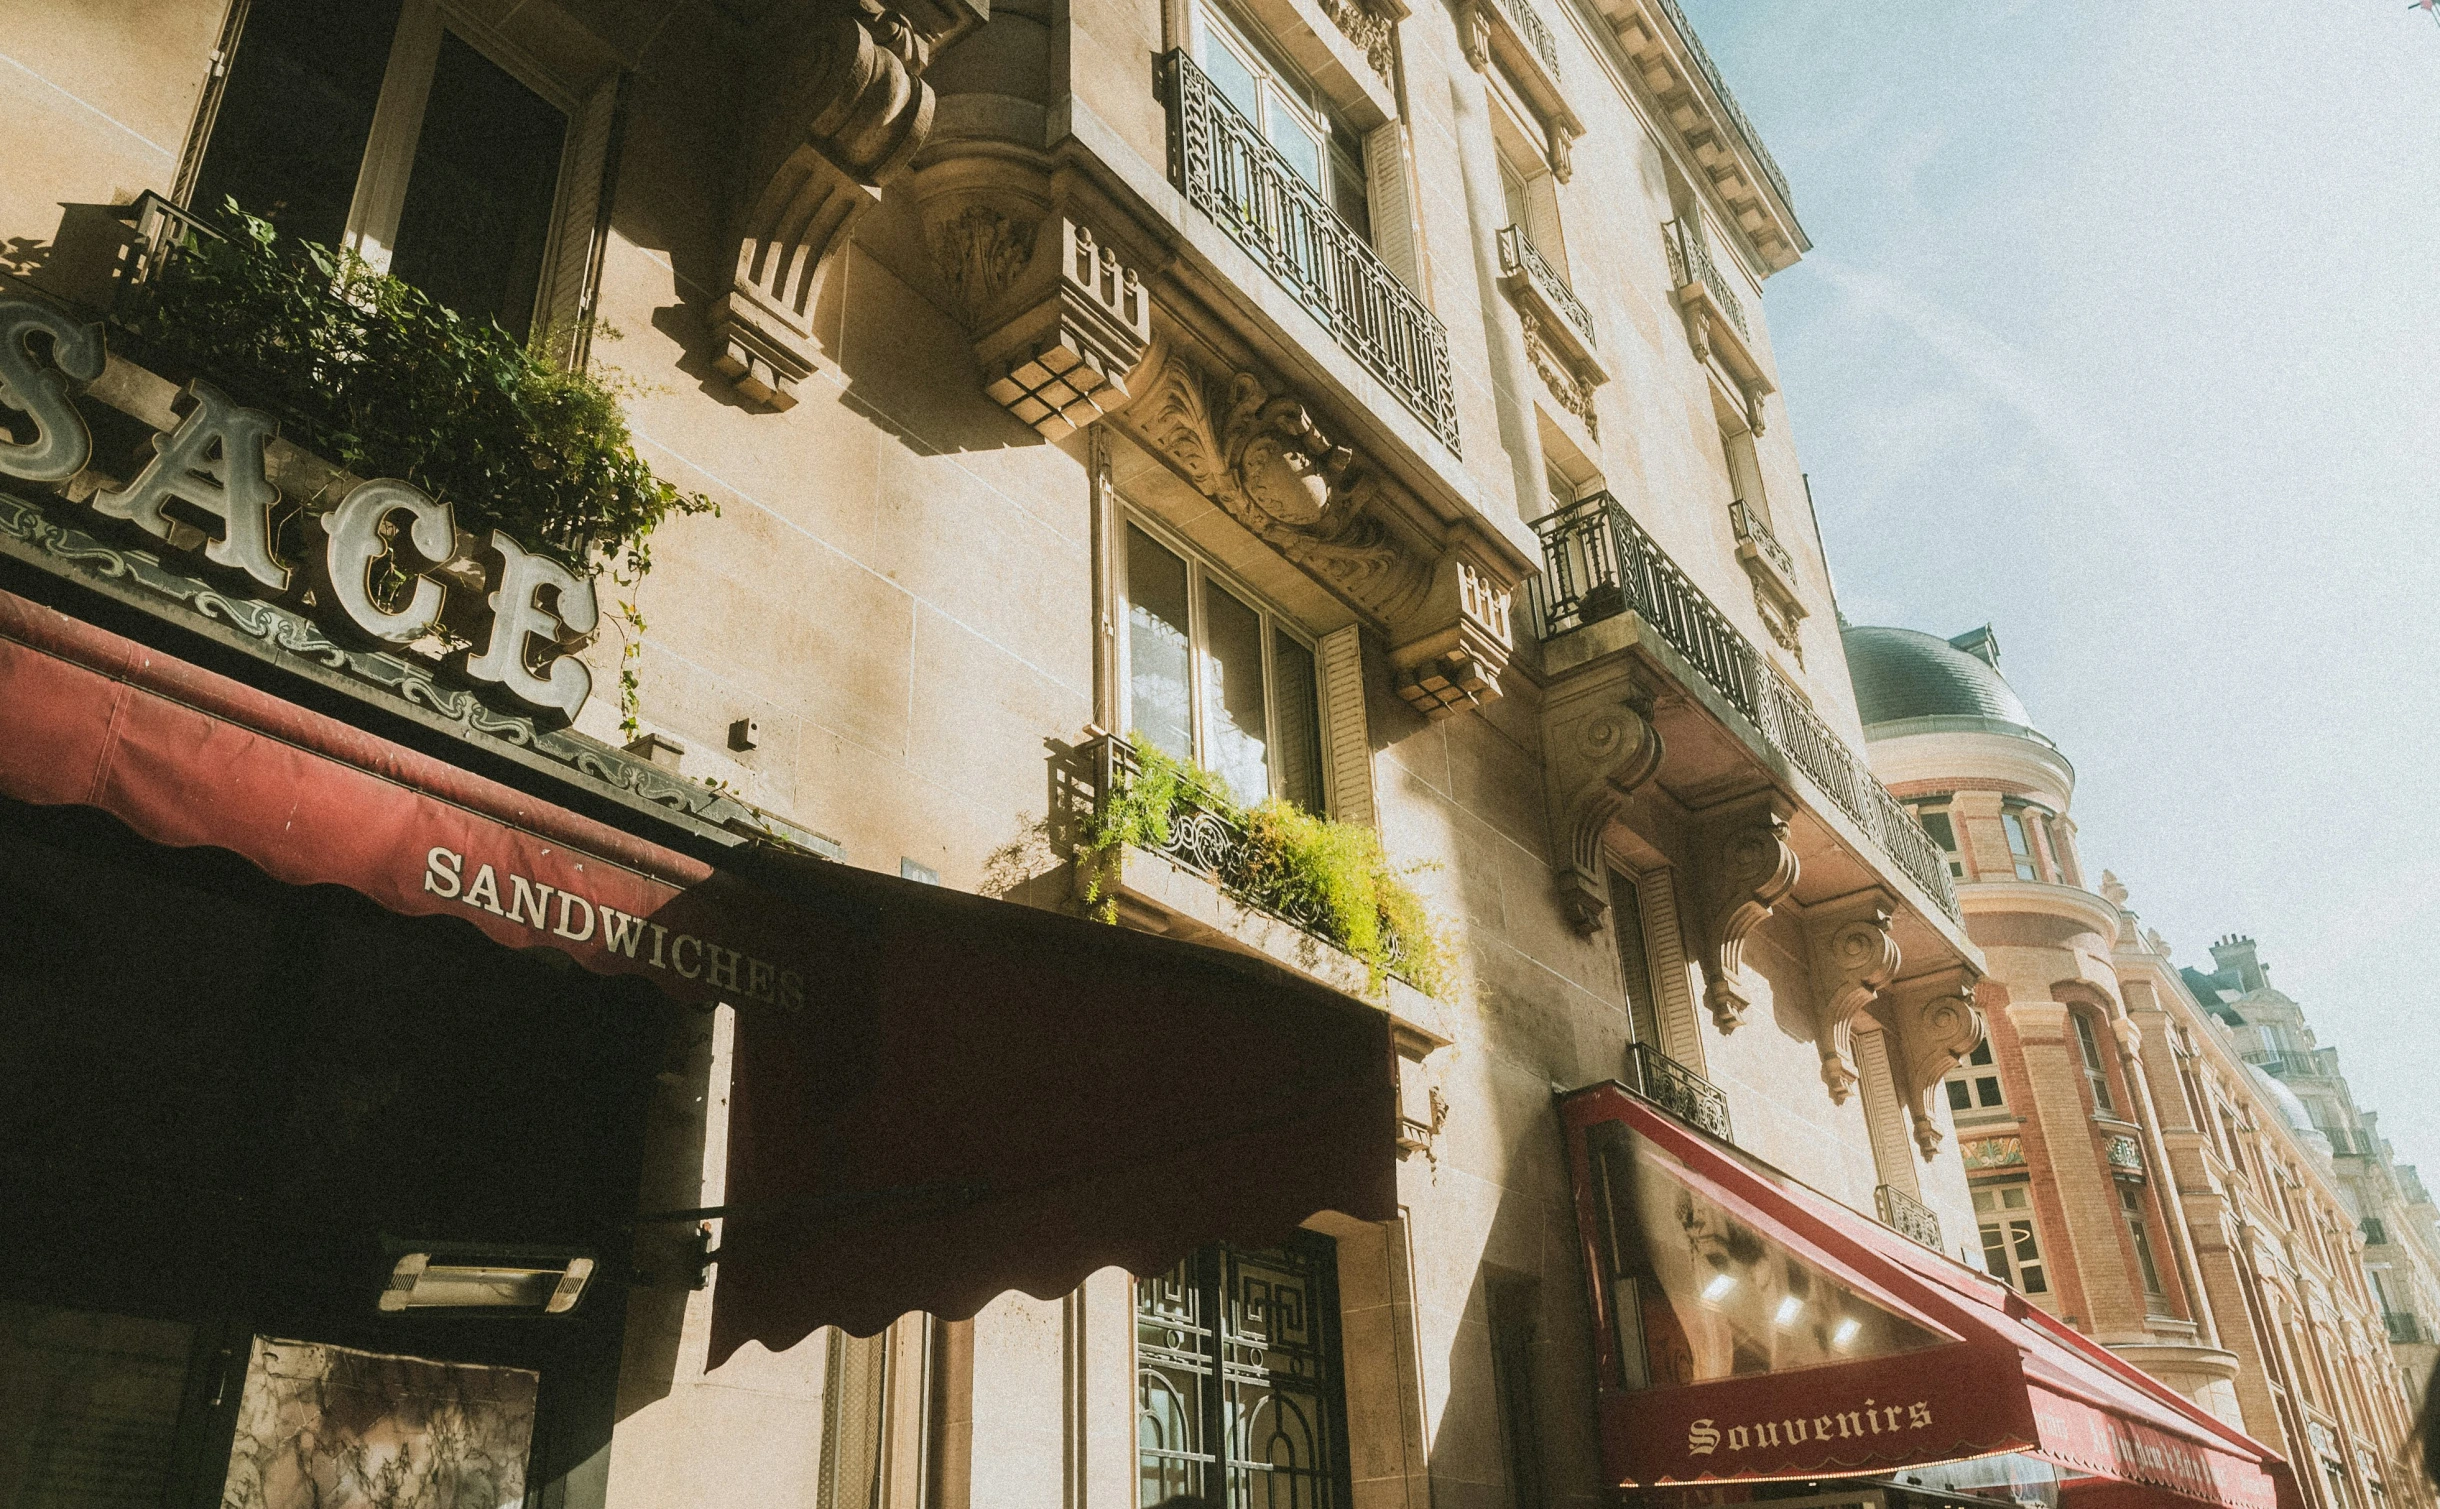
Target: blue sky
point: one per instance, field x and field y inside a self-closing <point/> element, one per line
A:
<point x="2122" y="333"/>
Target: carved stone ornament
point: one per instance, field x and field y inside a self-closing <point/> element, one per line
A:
<point x="1779" y="623"/>
<point x="1474" y="32"/>
<point x="1261" y="457"/>
<point x="1936" y="1023"/>
<point x="1066" y="359"/>
<point x="1567" y="386"/>
<point x="1456" y="663"/>
<point x="1562" y="152"/>
<point x="1755" y="869"/>
<point x="1370" y="31"/>
<point x="1601" y="749"/>
<point x="839" y="108"/>
<point x="1854" y="959"/>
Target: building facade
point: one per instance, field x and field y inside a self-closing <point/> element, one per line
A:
<point x="1371" y="408"/>
<point x="2136" y="1171"/>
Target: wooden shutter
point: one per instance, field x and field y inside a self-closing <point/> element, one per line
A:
<point x="1392" y="203"/>
<point x="1350" y="753"/>
<point x="563" y="308"/>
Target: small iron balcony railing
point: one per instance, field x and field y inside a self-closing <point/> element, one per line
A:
<point x="2406" y="1328"/>
<point x="1531" y="27"/>
<point x="1225" y="168"/>
<point x="1736" y="113"/>
<point x="2285" y="1065"/>
<point x="1678" y="1090"/>
<point x="1690" y="260"/>
<point x="1208" y="839"/>
<point x="1597" y="562"/>
<point x="1518" y="254"/>
<point x="1750" y="527"/>
<point x="1907" y="1216"/>
<point x="157" y="232"/>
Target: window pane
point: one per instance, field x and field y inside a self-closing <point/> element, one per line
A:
<point x="1960" y="1099"/>
<point x="478" y="213"/>
<point x="1298" y="692"/>
<point x="1240" y="752"/>
<point x="1937" y="825"/>
<point x="1158" y="702"/>
<point x="1294" y="139"/>
<point x="1350" y="193"/>
<point x="1987" y="1088"/>
<point x="1230" y="73"/>
<point x="297" y="111"/>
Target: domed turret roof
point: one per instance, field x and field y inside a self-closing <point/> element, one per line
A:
<point x="2299" y="1120"/>
<point x="1904" y="673"/>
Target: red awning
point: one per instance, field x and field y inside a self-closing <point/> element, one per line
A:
<point x="1773" y="1333"/>
<point x="936" y="1097"/>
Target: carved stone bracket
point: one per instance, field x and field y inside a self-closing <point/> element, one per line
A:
<point x="1854" y="959"/>
<point x="1571" y="385"/>
<point x="1754" y="870"/>
<point x="838" y="108"/>
<point x="1936" y="1023"/>
<point x="1457" y="663"/>
<point x="1599" y="749"/>
<point x="1064" y="360"/>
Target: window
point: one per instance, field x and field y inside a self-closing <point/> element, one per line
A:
<point x="378" y="126"/>
<point x="2095" y="1074"/>
<point x="2012" y="1252"/>
<point x="1634" y="962"/>
<point x="2130" y="1203"/>
<point x="1214" y="679"/>
<point x="2375" y="1233"/>
<point x="1289" y="114"/>
<point x="1974" y="1085"/>
<point x="1528" y="188"/>
<point x="1935" y="821"/>
<point x="1237" y="1351"/>
<point x="2019" y="848"/>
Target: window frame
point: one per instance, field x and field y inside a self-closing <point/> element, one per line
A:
<point x="2028" y="863"/>
<point x="1952" y="851"/>
<point x="1964" y="1078"/>
<point x="2095" y="1062"/>
<point x="2010" y="1247"/>
<point x="378" y="199"/>
<point x="1340" y="147"/>
<point x="2139" y="1232"/>
<point x="1273" y="619"/>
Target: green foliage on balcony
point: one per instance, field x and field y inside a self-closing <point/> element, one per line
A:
<point x="1330" y="878"/>
<point x="368" y="372"/>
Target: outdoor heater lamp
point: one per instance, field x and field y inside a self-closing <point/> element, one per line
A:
<point x="431" y="1276"/>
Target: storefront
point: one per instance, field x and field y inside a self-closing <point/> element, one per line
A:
<point x="1757" y="1339"/>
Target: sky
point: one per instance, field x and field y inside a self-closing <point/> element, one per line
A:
<point x="2121" y="333"/>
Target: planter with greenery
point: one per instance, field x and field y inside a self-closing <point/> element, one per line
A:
<point x="1331" y="879"/>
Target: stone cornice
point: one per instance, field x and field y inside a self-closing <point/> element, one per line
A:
<point x="2066" y="902"/>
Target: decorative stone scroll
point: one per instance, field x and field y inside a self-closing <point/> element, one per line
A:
<point x="1854" y="959"/>
<point x="839" y="108"/>
<point x="1755" y="869"/>
<point x="1937" y="1023"/>
<point x="1370" y="31"/>
<point x="1600" y="748"/>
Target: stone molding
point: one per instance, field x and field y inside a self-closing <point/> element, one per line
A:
<point x="838" y="108"/>
<point x="1754" y="870"/>
<point x="1937" y="1022"/>
<point x="1571" y="386"/>
<point x="1854" y="959"/>
<point x="1599" y="749"/>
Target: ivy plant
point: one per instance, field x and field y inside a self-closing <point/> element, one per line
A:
<point x="1288" y="862"/>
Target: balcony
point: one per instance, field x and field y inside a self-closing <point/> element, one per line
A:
<point x="1690" y="264"/>
<point x="1536" y="32"/>
<point x="1558" y="327"/>
<point x="1907" y="1216"/>
<point x="1599" y="563"/>
<point x="1221" y="163"/>
<point x="1678" y="1090"/>
<point x="2406" y="1329"/>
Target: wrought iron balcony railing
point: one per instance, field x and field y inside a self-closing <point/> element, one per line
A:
<point x="1225" y="168"/>
<point x="1690" y="261"/>
<point x="1719" y="86"/>
<point x="1907" y="1216"/>
<point x="1750" y="527"/>
<point x="2286" y="1065"/>
<point x="1678" y="1090"/>
<point x="1530" y="26"/>
<point x="1597" y="562"/>
<point x="2406" y="1328"/>
<point x="1517" y="252"/>
<point x="1208" y="838"/>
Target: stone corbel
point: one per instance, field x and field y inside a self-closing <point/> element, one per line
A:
<point x="1936" y="1023"/>
<point x="1065" y="359"/>
<point x="1600" y="748"/>
<point x="1474" y="32"/>
<point x="1854" y="959"/>
<point x="1562" y="151"/>
<point x="838" y="109"/>
<point x="1457" y="660"/>
<point x="1754" y="869"/>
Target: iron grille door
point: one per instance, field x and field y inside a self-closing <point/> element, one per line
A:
<point x="1240" y="1347"/>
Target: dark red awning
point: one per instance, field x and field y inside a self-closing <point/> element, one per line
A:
<point x="1779" y="1334"/>
<point x="936" y="1097"/>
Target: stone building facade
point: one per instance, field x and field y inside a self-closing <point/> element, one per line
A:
<point x="2136" y="1171"/>
<point x="1371" y="405"/>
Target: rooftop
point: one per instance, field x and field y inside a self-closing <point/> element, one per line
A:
<point x="1905" y="674"/>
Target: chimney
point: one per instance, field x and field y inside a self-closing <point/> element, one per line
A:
<point x="2235" y="955"/>
<point x="1980" y="643"/>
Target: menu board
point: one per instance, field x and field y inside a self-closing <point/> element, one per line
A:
<point x="328" y="1427"/>
<point x="88" y="1407"/>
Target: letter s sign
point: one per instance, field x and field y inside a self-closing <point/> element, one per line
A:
<point x="1701" y="1439"/>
